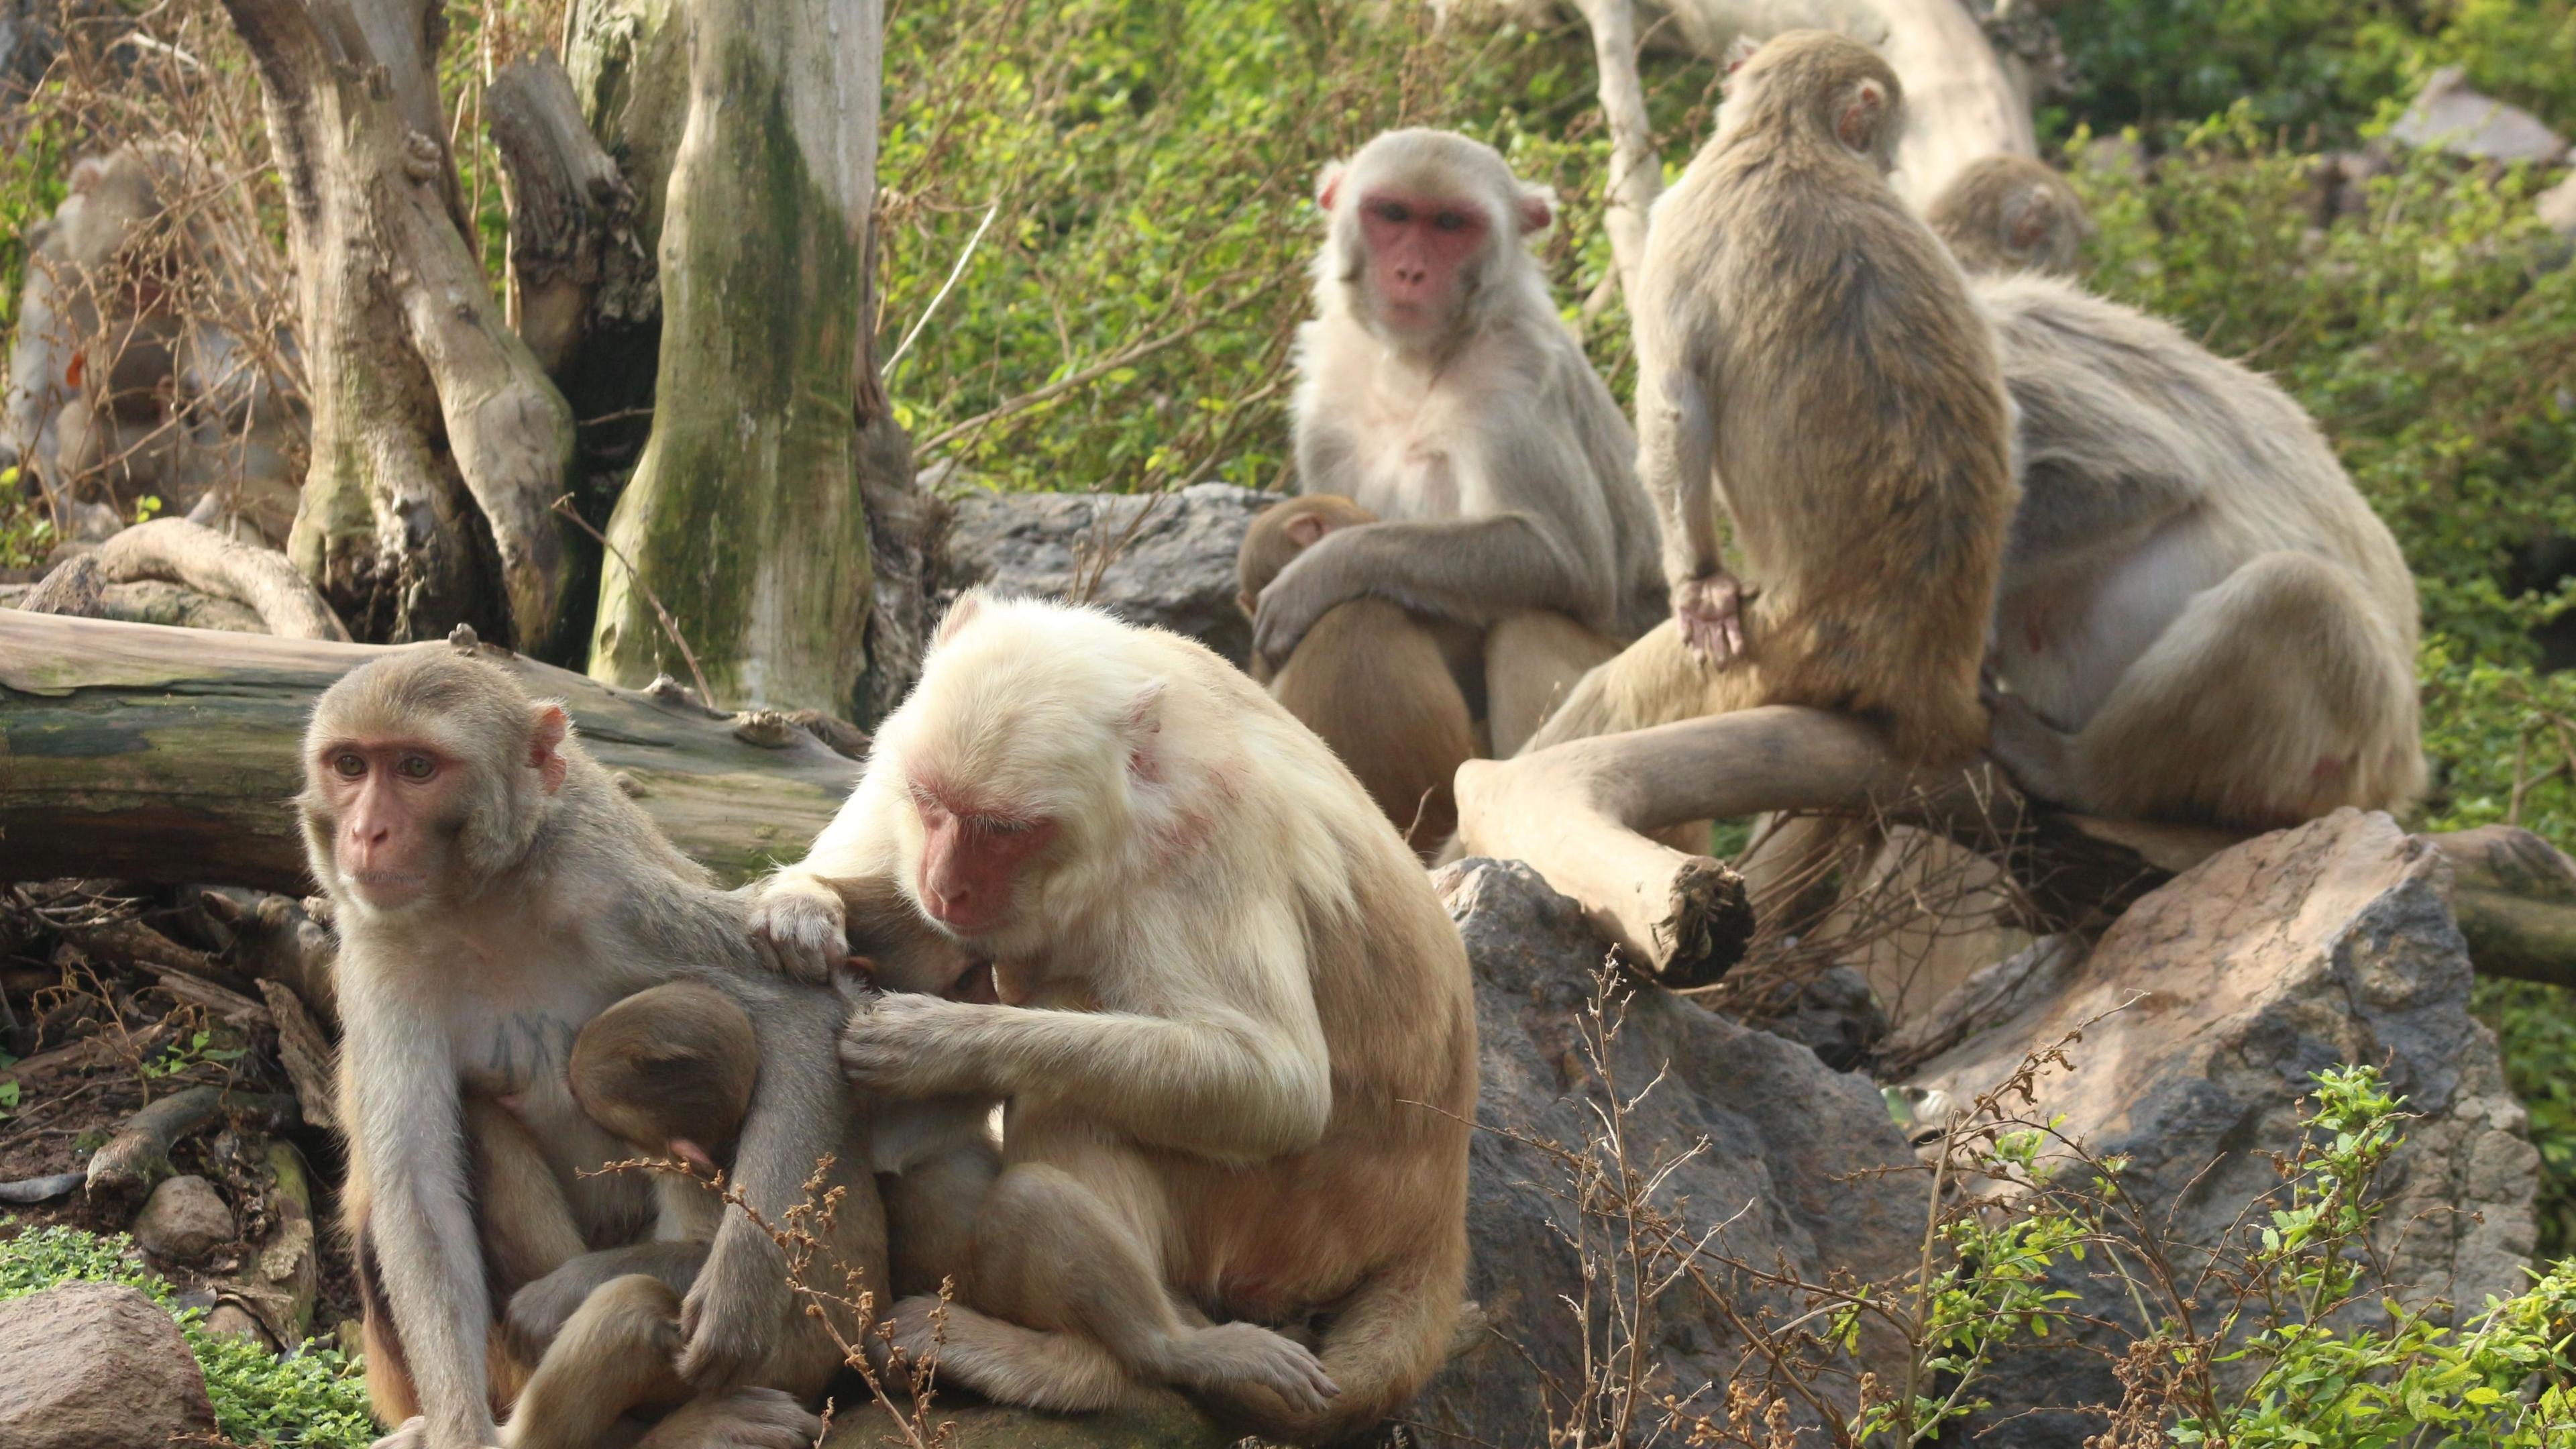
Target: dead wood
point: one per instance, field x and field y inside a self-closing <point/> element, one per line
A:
<point x="214" y="563"/>
<point x="305" y="1053"/>
<point x="1579" y="812"/>
<point x="76" y="588"/>
<point x="568" y="204"/>
<point x="138" y="1156"/>
<point x="171" y="755"/>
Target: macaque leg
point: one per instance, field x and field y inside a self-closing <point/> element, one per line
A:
<point x="930" y="1217"/>
<point x="614" y="1354"/>
<point x="540" y="1311"/>
<point x="2272" y="698"/>
<point x="525" y="1220"/>
<point x="1531" y="661"/>
<point x="1654" y="681"/>
<point x="1071" y="1312"/>
<point x="1376" y="686"/>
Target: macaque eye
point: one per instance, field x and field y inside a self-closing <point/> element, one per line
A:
<point x="417" y="767"/>
<point x="349" y="764"/>
<point x="1450" y="221"/>
<point x="994" y="826"/>
<point x="1394" y="211"/>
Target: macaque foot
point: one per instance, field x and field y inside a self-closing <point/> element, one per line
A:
<point x="797" y="927"/>
<point x="412" y="1433"/>
<point x="1710" y="611"/>
<point x="742" y="1419"/>
<point x="1229" y="1356"/>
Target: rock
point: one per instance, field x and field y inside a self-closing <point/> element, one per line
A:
<point x="184" y="1219"/>
<point x="2325" y="945"/>
<point x="1175" y="570"/>
<point x="1171" y="1424"/>
<point x="1793" y="1162"/>
<point x="227" y="1318"/>
<point x="97" y="1366"/>
<point x="2446" y="115"/>
<point x="2557" y="206"/>
<point x="1834" y="1015"/>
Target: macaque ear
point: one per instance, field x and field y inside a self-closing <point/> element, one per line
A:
<point x="1142" y="726"/>
<point x="1738" y="51"/>
<point x="968" y="605"/>
<point x="1537" y="209"/>
<point x="1864" y="108"/>
<point x="2027" y="218"/>
<point x="1306" y="530"/>
<point x="1328" y="185"/>
<point x="545" y="746"/>
<point x="86" y="173"/>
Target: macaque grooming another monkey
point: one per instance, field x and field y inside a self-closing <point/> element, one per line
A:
<point x="1371" y="679"/>
<point x="1808" y="357"/>
<point x="493" y="892"/>
<point x="1439" y="390"/>
<point x="1236" y="1034"/>
<point x="2011" y="214"/>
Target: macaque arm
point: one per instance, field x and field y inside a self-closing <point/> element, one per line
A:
<point x="2066" y="513"/>
<point x="735" y="1312"/>
<point x="1234" y="1068"/>
<point x="1677" y="461"/>
<point x="797" y="917"/>
<point x="408" y="1116"/>
<point x="1471" y="569"/>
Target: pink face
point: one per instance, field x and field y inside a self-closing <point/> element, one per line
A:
<point x="971" y="857"/>
<point x="1418" y="249"/>
<point x="392" y="800"/>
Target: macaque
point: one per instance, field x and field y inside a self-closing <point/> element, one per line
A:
<point x="670" y="1072"/>
<point x="123" y="380"/>
<point x="1234" y="1031"/>
<point x="493" y="892"/>
<point x="2201" y="618"/>
<point x="1809" y="358"/>
<point x="1373" y="681"/>
<point x="2011" y="214"/>
<point x="1438" y="389"/>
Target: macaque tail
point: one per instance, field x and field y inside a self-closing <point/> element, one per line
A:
<point x="1381" y="1347"/>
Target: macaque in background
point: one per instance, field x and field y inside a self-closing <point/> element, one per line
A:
<point x="1809" y="359"/>
<point x="1235" y="1029"/>
<point x="1368" y="670"/>
<point x="1439" y="390"/>
<point x="2011" y="214"/>
<point x="493" y="892"/>
<point x="2202" y="620"/>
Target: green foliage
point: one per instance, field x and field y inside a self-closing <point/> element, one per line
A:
<point x="312" y="1400"/>
<point x="2326" y="1381"/>
<point x="2313" y="67"/>
<point x="1125" y="320"/>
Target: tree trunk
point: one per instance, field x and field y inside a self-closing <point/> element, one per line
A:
<point x="171" y="755"/>
<point x="744" y="520"/>
<point x="439" y="445"/>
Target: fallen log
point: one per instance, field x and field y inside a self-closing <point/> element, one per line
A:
<point x="170" y="755"/>
<point x="1579" y="813"/>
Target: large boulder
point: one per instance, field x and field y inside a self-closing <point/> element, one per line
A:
<point x="97" y="1366"/>
<point x="2205" y="1010"/>
<point x="1165" y="559"/>
<point x="1796" y="1164"/>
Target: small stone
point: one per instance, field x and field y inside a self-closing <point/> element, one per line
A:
<point x="2448" y="116"/>
<point x="97" y="1366"/>
<point x="184" y="1220"/>
<point x="230" y="1318"/>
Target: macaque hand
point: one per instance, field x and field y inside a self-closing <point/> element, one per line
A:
<point x="1710" y="611"/>
<point x="413" y="1433"/>
<point x="903" y="1044"/>
<point x="742" y="1419"/>
<point x="1295" y="600"/>
<point x="797" y="926"/>
<point x="733" y="1315"/>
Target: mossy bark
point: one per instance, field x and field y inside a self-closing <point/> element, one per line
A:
<point x="744" y="517"/>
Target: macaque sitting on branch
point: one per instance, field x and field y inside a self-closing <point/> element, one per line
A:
<point x="1234" y="1028"/>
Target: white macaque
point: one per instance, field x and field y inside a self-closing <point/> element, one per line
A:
<point x="1234" y="1028"/>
